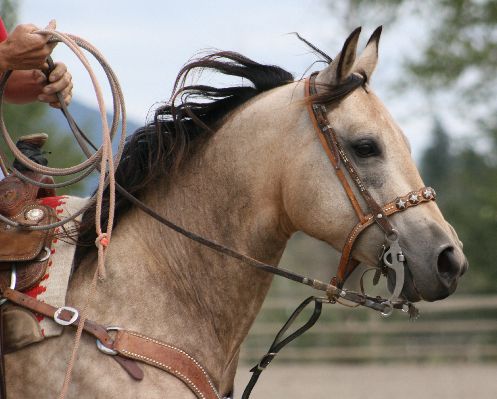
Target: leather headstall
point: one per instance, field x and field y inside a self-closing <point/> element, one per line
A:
<point x="343" y="167"/>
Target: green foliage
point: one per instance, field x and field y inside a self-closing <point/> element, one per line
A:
<point x="60" y="148"/>
<point x="466" y="182"/>
<point x="8" y="11"/>
<point x="437" y="160"/>
<point x="461" y="53"/>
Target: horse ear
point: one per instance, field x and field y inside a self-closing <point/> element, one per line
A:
<point x="366" y="63"/>
<point x="341" y="66"/>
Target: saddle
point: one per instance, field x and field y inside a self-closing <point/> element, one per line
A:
<point x="24" y="253"/>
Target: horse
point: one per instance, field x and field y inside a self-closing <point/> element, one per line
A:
<point x="240" y="165"/>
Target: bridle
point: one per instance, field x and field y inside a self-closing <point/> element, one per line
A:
<point x="392" y="257"/>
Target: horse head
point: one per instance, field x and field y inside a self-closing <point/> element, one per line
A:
<point x="378" y="150"/>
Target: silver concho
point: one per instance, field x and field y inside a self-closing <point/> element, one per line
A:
<point x="427" y="194"/>
<point x="400" y="204"/>
<point x="35" y="214"/>
<point x="414" y="198"/>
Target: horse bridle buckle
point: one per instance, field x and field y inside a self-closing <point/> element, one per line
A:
<point x="63" y="322"/>
<point x="104" y="349"/>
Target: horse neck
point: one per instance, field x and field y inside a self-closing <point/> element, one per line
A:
<point x="187" y="294"/>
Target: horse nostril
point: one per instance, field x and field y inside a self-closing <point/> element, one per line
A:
<point x="449" y="267"/>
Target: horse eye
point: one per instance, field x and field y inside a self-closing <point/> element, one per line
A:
<point x="366" y="148"/>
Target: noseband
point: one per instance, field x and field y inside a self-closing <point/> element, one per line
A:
<point x="392" y="256"/>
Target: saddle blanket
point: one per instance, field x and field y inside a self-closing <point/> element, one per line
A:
<point x="52" y="288"/>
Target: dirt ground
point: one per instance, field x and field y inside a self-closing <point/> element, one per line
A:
<point x="458" y="381"/>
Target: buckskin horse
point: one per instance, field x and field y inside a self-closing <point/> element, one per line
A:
<point x="242" y="166"/>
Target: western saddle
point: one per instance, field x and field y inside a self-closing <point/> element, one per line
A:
<point x="24" y="253"/>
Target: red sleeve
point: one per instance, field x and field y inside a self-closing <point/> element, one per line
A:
<point x="3" y="31"/>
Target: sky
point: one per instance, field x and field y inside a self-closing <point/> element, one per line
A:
<point x="147" y="42"/>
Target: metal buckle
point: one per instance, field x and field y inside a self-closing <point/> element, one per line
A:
<point x="387" y="312"/>
<point x="13" y="282"/>
<point x="102" y="348"/>
<point x="62" y="322"/>
<point x="46" y="256"/>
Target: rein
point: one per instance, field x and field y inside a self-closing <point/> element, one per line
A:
<point x="128" y="346"/>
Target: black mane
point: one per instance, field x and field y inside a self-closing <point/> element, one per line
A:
<point x="193" y="113"/>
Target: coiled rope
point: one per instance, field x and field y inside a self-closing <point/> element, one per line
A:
<point x="101" y="160"/>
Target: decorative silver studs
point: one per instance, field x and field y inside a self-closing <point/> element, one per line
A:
<point x="35" y="214"/>
<point x="414" y="198"/>
<point x="400" y="204"/>
<point x="427" y="194"/>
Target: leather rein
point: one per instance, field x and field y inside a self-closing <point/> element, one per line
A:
<point x="128" y="347"/>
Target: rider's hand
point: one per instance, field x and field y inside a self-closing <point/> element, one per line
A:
<point x="60" y="80"/>
<point x="28" y="86"/>
<point x="24" y="49"/>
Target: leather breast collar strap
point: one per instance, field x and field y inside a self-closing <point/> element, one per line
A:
<point x="126" y="346"/>
<point x="375" y="213"/>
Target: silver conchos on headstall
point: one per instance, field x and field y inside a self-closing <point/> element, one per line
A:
<point x="415" y="198"/>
